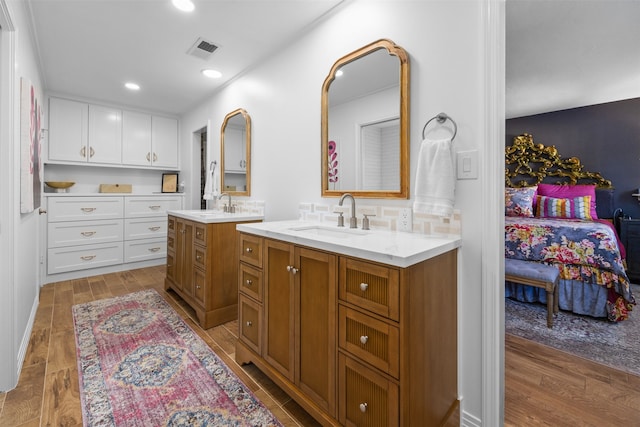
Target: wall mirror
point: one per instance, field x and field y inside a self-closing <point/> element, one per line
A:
<point x="235" y="153"/>
<point x="365" y="123"/>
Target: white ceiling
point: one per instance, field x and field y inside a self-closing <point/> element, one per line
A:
<point x="569" y="53"/>
<point x="90" y="48"/>
<point x="559" y="53"/>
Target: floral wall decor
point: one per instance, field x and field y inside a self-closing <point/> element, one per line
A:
<point x="30" y="147"/>
<point x="333" y="163"/>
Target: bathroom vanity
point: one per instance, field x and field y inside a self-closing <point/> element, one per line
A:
<point x="359" y="327"/>
<point x="202" y="262"/>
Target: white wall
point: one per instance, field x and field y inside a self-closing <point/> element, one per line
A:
<point x="19" y="233"/>
<point x="446" y="44"/>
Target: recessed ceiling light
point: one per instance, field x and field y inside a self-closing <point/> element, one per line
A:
<point x="183" y="5"/>
<point x="213" y="74"/>
<point x="132" y="86"/>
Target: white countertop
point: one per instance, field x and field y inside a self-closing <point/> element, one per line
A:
<point x="213" y="216"/>
<point x="87" y="194"/>
<point x="399" y="249"/>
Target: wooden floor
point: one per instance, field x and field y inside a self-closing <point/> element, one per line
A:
<point x="543" y="387"/>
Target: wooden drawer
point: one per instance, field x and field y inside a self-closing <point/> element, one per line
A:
<point x="200" y="233"/>
<point x="144" y="228"/>
<point x="250" y="282"/>
<point x="370" y="286"/>
<point x="73" y="233"/>
<point x="199" y="285"/>
<point x="251" y="249"/>
<point x="73" y="258"/>
<point x="84" y="208"/>
<point x="200" y="257"/>
<point x="171" y="243"/>
<point x="171" y="225"/>
<point x="171" y="269"/>
<point x="369" y="339"/>
<point x="366" y="398"/>
<point x="249" y="315"/>
<point x="142" y="250"/>
<point x="145" y="206"/>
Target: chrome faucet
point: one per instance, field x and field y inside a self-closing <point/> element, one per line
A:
<point x="227" y="208"/>
<point x="353" y="221"/>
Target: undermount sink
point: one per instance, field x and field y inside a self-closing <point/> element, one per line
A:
<point x="319" y="230"/>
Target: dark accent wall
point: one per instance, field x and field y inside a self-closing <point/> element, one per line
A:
<point x="605" y="137"/>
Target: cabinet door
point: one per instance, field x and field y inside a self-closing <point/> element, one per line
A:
<point x="315" y="323"/>
<point x="136" y="138"/>
<point x="184" y="254"/>
<point x="68" y="130"/>
<point x="164" y="142"/>
<point x="105" y="135"/>
<point x="279" y="309"/>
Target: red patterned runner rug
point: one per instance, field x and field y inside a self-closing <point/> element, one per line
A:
<point x="140" y="364"/>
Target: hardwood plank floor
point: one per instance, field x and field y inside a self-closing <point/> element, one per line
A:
<point x="543" y="387"/>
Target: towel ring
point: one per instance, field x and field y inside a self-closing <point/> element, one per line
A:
<point x="441" y="118"/>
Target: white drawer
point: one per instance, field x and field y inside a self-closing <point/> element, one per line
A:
<point x="145" y="206"/>
<point x="84" y="208"/>
<point x="142" y="250"/>
<point x="144" y="228"/>
<point x="73" y="258"/>
<point x="84" y="232"/>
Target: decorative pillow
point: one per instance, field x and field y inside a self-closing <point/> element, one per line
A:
<point x="550" y="207"/>
<point x="519" y="201"/>
<point x="570" y="192"/>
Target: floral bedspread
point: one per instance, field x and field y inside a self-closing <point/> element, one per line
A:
<point x="583" y="250"/>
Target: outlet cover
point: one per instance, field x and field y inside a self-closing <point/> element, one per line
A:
<point x="405" y="220"/>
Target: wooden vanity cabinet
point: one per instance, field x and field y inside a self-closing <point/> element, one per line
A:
<point x="385" y="336"/>
<point x="202" y="268"/>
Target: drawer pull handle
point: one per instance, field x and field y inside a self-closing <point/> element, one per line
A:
<point x="249" y="282"/>
<point x="156" y="249"/>
<point x="87" y="257"/>
<point x="364" y="286"/>
<point x="156" y="228"/>
<point x="199" y="257"/>
<point x="92" y="152"/>
<point x="363" y="407"/>
<point x="154" y="207"/>
<point x="87" y="210"/>
<point x="148" y="157"/>
<point x="364" y="339"/>
<point x="199" y="233"/>
<point x="83" y="152"/>
<point x="249" y="323"/>
<point x="155" y="157"/>
<point x="249" y="250"/>
<point x="87" y="233"/>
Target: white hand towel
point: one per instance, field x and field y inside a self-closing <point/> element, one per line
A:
<point x="208" y="185"/>
<point x="435" y="178"/>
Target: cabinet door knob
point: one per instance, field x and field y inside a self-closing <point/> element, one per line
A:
<point x="198" y="286"/>
<point x="249" y="282"/>
<point x="199" y="257"/>
<point x="363" y="407"/>
<point x="364" y="286"/>
<point x="292" y="269"/>
<point x="249" y="250"/>
<point x="249" y="323"/>
<point x="364" y="339"/>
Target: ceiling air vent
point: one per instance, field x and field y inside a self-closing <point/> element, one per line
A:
<point x="202" y="49"/>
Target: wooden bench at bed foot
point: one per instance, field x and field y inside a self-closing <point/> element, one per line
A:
<point x="535" y="274"/>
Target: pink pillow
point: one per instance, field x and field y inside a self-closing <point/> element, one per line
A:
<point x="570" y="192"/>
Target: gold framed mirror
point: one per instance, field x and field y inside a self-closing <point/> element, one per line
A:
<point x="365" y="123"/>
<point x="235" y="153"/>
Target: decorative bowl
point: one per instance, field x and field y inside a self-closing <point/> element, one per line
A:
<point x="60" y="184"/>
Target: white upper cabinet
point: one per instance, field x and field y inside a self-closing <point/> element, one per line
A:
<point x="105" y="135"/>
<point x="136" y="139"/>
<point x="164" y="142"/>
<point x="68" y="130"/>
<point x="86" y="133"/>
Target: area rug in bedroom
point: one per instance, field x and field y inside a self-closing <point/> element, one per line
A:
<point x="140" y="364"/>
<point x="612" y="344"/>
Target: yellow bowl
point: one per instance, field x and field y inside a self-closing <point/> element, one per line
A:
<point x="59" y="184"/>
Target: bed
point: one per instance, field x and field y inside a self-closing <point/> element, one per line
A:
<point x="558" y="214"/>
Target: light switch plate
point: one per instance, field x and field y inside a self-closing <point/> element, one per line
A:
<point x="405" y="220"/>
<point x="467" y="164"/>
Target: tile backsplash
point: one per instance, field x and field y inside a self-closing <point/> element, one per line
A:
<point x="382" y="217"/>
